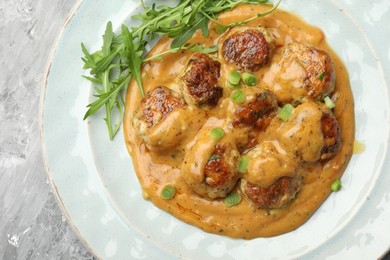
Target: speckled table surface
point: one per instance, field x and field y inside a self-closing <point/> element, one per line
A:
<point x="31" y="223"/>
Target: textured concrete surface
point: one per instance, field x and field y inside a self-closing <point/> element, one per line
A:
<point x="31" y="223"/>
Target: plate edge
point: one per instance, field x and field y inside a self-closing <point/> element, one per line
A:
<point x="53" y="186"/>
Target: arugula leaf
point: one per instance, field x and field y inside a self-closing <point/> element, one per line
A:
<point x="134" y="57"/>
<point x="182" y="38"/>
<point x="194" y="48"/>
<point x="107" y="39"/>
<point x="120" y="58"/>
<point x="103" y="99"/>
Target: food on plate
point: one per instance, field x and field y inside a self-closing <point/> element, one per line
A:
<point x="215" y="173"/>
<point x="249" y="48"/>
<point x="257" y="111"/>
<point x="275" y="196"/>
<point x="160" y="119"/>
<point x="246" y="140"/>
<point x="303" y="70"/>
<point x="199" y="84"/>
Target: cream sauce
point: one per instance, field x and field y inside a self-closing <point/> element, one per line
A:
<point x="157" y="169"/>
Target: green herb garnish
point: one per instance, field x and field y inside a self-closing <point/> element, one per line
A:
<point x="336" y="185"/>
<point x="168" y="192"/>
<point x="329" y="103"/>
<point x="234" y="77"/>
<point x="249" y="79"/>
<point x="216" y="134"/>
<point x="321" y="76"/>
<point x="238" y="96"/>
<point x="214" y="157"/>
<point x="285" y="112"/>
<point x="121" y="56"/>
<point x="232" y="199"/>
<point x="243" y="164"/>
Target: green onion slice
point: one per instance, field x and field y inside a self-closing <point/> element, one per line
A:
<point x="243" y="164"/>
<point x="336" y="185"/>
<point x="238" y="97"/>
<point x="230" y="85"/>
<point x="329" y="103"/>
<point x="216" y="134"/>
<point x="249" y="79"/>
<point x="285" y="112"/>
<point x="232" y="199"/>
<point x="234" y="77"/>
<point x="168" y="192"/>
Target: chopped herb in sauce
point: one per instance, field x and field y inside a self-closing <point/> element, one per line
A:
<point x="168" y="192"/>
<point x="321" y="76"/>
<point x="216" y="134"/>
<point x="214" y="157"/>
<point x="232" y="199"/>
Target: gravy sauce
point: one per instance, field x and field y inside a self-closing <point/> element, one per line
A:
<point x="155" y="170"/>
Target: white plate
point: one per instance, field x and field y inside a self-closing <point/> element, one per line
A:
<point x="99" y="193"/>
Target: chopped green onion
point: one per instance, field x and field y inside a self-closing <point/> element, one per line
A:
<point x="238" y="96"/>
<point x="285" y="112"/>
<point x="336" y="185"/>
<point x="249" y="79"/>
<point x="230" y="85"/>
<point x="214" y="157"/>
<point x="232" y="199"/>
<point x="168" y="192"/>
<point x="329" y="103"/>
<point x="321" y="76"/>
<point x="216" y="134"/>
<point x="243" y="164"/>
<point x="234" y="77"/>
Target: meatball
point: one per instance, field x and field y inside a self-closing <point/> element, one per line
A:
<point x="249" y="48"/>
<point x="268" y="161"/>
<point x="312" y="132"/>
<point x="258" y="112"/>
<point x="199" y="84"/>
<point x="301" y="71"/>
<point x="159" y="120"/>
<point x="272" y="175"/>
<point x="220" y="170"/>
<point x="275" y="196"/>
<point x="157" y="104"/>
<point x="319" y="67"/>
<point x="209" y="167"/>
<point x="331" y="131"/>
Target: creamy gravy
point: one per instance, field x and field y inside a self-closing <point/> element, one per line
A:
<point x="155" y="170"/>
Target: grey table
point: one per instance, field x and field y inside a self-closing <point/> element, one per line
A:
<point x="31" y="224"/>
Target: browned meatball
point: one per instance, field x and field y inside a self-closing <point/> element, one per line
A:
<point x="320" y="72"/>
<point x="209" y="168"/>
<point x="161" y="119"/>
<point x="312" y="132"/>
<point x="331" y="132"/>
<point x="300" y="71"/>
<point x="258" y="112"/>
<point x="249" y="48"/>
<point x="200" y="81"/>
<point x="275" y="196"/>
<point x="218" y="170"/>
<point x="157" y="104"/>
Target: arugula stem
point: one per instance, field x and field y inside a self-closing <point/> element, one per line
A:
<point x="106" y="89"/>
<point x="120" y="57"/>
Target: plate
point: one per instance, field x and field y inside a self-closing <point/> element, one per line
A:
<point x="97" y="189"/>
